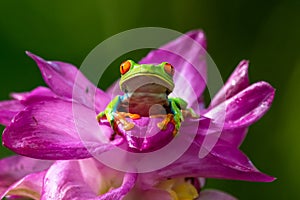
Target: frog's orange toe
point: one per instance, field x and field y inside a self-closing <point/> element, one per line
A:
<point x="169" y="119"/>
<point x="162" y="125"/>
<point x="128" y="126"/>
<point x="134" y="116"/>
<point x="175" y="128"/>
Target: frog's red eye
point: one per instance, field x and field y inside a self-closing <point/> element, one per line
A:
<point x="169" y="69"/>
<point x="125" y="66"/>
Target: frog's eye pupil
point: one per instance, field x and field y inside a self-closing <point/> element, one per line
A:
<point x="169" y="69"/>
<point x="125" y="66"/>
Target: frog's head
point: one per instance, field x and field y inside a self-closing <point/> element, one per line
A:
<point x="134" y="76"/>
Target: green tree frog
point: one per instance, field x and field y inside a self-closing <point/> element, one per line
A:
<point x="146" y="88"/>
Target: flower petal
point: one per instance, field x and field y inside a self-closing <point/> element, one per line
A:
<point x="16" y="167"/>
<point x="60" y="182"/>
<point x="222" y="162"/>
<point x="234" y="137"/>
<point x="56" y="129"/>
<point x="215" y="195"/>
<point x="30" y="186"/>
<point x="37" y="93"/>
<point x="67" y="81"/>
<point x="145" y="136"/>
<point x="187" y="54"/>
<point x="8" y="109"/>
<point x="220" y="159"/>
<point x="237" y="82"/>
<point x="244" y="108"/>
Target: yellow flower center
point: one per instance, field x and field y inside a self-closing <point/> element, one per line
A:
<point x="179" y="189"/>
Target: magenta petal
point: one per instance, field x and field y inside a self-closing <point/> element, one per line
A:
<point x="64" y="180"/>
<point x="215" y="195"/>
<point x="222" y="162"/>
<point x="244" y="108"/>
<point x="145" y="136"/>
<point x="234" y="137"/>
<point x="237" y="82"/>
<point x="237" y="165"/>
<point x="16" y="167"/>
<point x="8" y="109"/>
<point x="221" y="158"/>
<point x="60" y="182"/>
<point x="30" y="186"/>
<point x="47" y="130"/>
<point x="68" y="82"/>
<point x="37" y="93"/>
<point x="188" y="58"/>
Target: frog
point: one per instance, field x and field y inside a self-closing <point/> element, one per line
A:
<point x="146" y="89"/>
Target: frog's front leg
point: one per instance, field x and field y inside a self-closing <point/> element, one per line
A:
<point x="176" y="106"/>
<point x="179" y="112"/>
<point x="114" y="117"/>
<point x="175" y="117"/>
<point x="109" y="111"/>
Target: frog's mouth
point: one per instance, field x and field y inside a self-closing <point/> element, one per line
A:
<point x="132" y="84"/>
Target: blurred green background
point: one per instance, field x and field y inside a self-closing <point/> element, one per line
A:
<point x="265" y="32"/>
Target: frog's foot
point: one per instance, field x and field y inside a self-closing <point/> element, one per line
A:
<point x="169" y="118"/>
<point x="133" y="116"/>
<point x="120" y="118"/>
<point x="163" y="125"/>
<point x="130" y="115"/>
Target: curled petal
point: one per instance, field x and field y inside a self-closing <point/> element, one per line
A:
<point x="30" y="186"/>
<point x="215" y="195"/>
<point x="237" y="82"/>
<point x="56" y="129"/>
<point x="145" y="135"/>
<point x="67" y="81"/>
<point x="244" y="108"/>
<point x="60" y="182"/>
<point x="16" y="167"/>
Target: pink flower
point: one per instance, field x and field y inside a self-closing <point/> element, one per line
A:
<point x="40" y="124"/>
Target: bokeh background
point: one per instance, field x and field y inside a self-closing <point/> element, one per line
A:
<point x="265" y="32"/>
